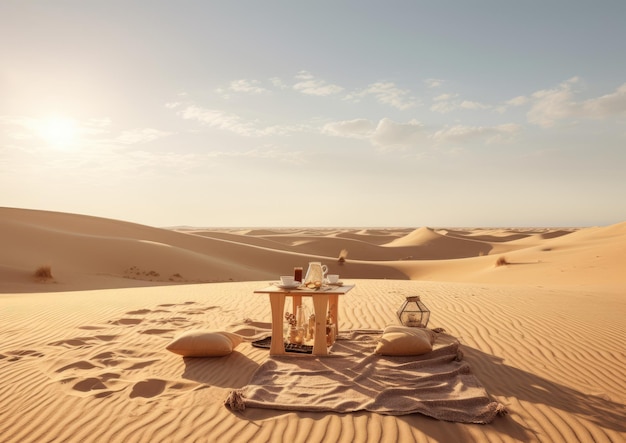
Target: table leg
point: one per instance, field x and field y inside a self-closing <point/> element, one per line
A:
<point x="320" y="304"/>
<point x="333" y="299"/>
<point x="277" y="302"/>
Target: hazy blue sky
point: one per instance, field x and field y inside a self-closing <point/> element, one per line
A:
<point x="320" y="113"/>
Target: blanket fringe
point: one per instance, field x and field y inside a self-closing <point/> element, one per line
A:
<point x="234" y="401"/>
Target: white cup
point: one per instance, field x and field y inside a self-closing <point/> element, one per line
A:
<point x="332" y="278"/>
<point x="286" y="280"/>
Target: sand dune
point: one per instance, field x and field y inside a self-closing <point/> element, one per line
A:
<point x="89" y="252"/>
<point x="83" y="355"/>
<point x="426" y="244"/>
<point x="99" y="251"/>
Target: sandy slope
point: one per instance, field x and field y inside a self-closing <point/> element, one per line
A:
<point x="88" y="252"/>
<point x="83" y="355"/>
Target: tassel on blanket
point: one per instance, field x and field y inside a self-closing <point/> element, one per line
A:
<point x="459" y="355"/>
<point x="501" y="409"/>
<point x="234" y="401"/>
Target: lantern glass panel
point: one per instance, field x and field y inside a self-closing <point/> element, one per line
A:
<point x="413" y="312"/>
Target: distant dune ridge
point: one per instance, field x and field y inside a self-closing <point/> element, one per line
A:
<point x="88" y="306"/>
<point x="88" y="252"/>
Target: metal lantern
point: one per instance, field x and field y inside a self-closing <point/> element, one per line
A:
<point x="413" y="312"/>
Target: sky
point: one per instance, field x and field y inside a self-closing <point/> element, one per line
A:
<point x="316" y="114"/>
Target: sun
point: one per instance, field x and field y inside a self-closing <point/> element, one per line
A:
<point x="58" y="131"/>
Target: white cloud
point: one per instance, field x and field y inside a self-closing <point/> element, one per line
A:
<point x="24" y="127"/>
<point x="443" y="107"/>
<point x="466" y="104"/>
<point x="433" y="82"/>
<point x="309" y="85"/>
<point x="386" y="134"/>
<point x="551" y="105"/>
<point x="95" y="126"/>
<point x="392" y="135"/>
<point x="606" y="105"/>
<point x="232" y="122"/>
<point x="282" y="129"/>
<point x="278" y="83"/>
<point x="445" y="103"/>
<point x="358" y="128"/>
<point x="465" y="134"/>
<point x="386" y="93"/>
<point x="444" y="97"/>
<point x="517" y="101"/>
<point x="143" y="135"/>
<point x="218" y="119"/>
<point x="251" y="86"/>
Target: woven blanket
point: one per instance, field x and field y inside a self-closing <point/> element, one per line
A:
<point x="438" y="384"/>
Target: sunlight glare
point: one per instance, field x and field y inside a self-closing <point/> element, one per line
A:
<point x="58" y="131"/>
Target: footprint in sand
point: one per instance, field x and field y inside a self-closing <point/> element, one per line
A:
<point x="109" y="358"/>
<point x="105" y="337"/>
<point x="160" y="311"/>
<point x="178" y="322"/>
<point x="89" y="384"/>
<point x="93" y="376"/>
<point x="127" y="321"/>
<point x="193" y="312"/>
<point x="108" y="370"/>
<point x="148" y="388"/>
<point x="169" y="305"/>
<point x="18" y="355"/>
<point x="153" y="387"/>
<point x="141" y="365"/>
<point x="91" y="328"/>
<point x="83" y="341"/>
<point x="135" y="321"/>
<point x="198" y="311"/>
<point x="109" y="383"/>
<point x="96" y="386"/>
<point x="157" y="331"/>
<point x="170" y="319"/>
<point x="83" y="364"/>
<point x="139" y="312"/>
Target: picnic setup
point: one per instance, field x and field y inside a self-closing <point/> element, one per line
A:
<point x="319" y="328"/>
<point x="314" y="365"/>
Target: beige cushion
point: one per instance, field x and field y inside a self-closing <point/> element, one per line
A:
<point x="204" y="343"/>
<point x="404" y="340"/>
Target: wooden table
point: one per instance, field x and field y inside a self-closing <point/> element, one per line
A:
<point x="321" y="299"/>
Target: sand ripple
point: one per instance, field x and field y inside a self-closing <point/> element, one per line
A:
<point x="99" y="371"/>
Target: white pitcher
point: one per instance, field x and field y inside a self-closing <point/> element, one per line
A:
<point x="316" y="272"/>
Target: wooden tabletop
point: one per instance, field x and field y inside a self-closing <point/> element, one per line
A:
<point x="327" y="289"/>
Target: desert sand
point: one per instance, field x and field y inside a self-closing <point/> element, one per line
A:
<point x="83" y="355"/>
